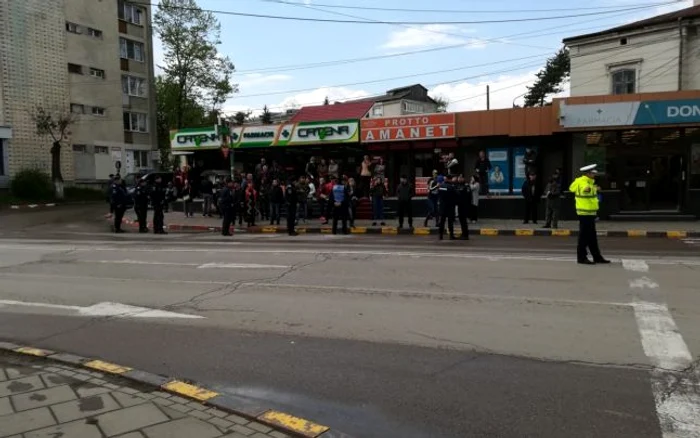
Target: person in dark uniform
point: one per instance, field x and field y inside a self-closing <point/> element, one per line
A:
<point x="141" y="205"/>
<point x="339" y="200"/>
<point x="119" y="200"/>
<point x="447" y="201"/>
<point x="159" y="200"/>
<point x="228" y="207"/>
<point x="464" y="202"/>
<point x="404" y="192"/>
<point x="291" y="197"/>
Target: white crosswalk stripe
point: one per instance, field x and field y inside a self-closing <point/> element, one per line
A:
<point x="692" y="241"/>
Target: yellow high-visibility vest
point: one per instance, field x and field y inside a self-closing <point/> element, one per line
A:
<point x="586" y="194"/>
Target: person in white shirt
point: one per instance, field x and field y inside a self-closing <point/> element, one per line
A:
<point x="451" y="164"/>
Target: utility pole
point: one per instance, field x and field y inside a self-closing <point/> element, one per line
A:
<point x="488" y="97"/>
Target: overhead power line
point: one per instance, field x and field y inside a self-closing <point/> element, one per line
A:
<point x="459" y="11"/>
<point x="365" y="21"/>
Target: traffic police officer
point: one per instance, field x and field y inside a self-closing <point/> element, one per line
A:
<point x="227" y="202"/>
<point x="141" y="205"/>
<point x="447" y="196"/>
<point x="464" y="202"/>
<point x="119" y="199"/>
<point x="586" y="194"/>
<point x="159" y="199"/>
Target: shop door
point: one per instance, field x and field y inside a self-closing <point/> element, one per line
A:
<point x="652" y="182"/>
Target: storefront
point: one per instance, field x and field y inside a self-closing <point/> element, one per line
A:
<point x="411" y="145"/>
<point x="5" y="136"/>
<point x="647" y="149"/>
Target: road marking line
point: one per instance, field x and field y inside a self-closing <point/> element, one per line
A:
<point x="117" y="310"/>
<point x="677" y="406"/>
<point x="301" y="426"/>
<point x="188" y="390"/>
<point x="635" y="265"/>
<point x="137" y="262"/>
<point x="643" y="283"/>
<point x="119" y="279"/>
<point x="240" y="266"/>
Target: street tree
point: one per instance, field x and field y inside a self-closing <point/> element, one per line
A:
<point x="54" y="124"/>
<point x="192" y="113"/>
<point x="266" y="116"/>
<point x="240" y="117"/>
<point x="442" y="103"/>
<point x="193" y="64"/>
<point x="550" y="79"/>
<point x="326" y="101"/>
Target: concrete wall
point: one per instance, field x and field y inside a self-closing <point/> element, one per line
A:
<point x="33" y="72"/>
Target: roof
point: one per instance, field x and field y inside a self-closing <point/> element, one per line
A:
<point x="338" y="111"/>
<point x="671" y="17"/>
<point x="407" y="88"/>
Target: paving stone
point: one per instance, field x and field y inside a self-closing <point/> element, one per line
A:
<point x="180" y="400"/>
<point x="127" y="400"/>
<point x="111" y="386"/>
<point x="126" y="390"/>
<point x="199" y="414"/>
<point x="161" y="401"/>
<point x="238" y="420"/>
<point x="87" y="389"/>
<point x="242" y="430"/>
<point x="83" y="377"/>
<point x="51" y="380"/>
<point x="67" y="373"/>
<point x="259" y="435"/>
<point x="84" y="407"/>
<point x="173" y="414"/>
<point x="260" y="427"/>
<point x="180" y="408"/>
<point x="146" y="395"/>
<point x="184" y="428"/>
<point x="161" y="394"/>
<point x="44" y="397"/>
<point x="78" y="429"/>
<point x="95" y="374"/>
<point x="130" y="419"/>
<point x="53" y="369"/>
<point x="3" y="377"/>
<point x="19" y="372"/>
<point x="216" y="413"/>
<point x="97" y="381"/>
<point x="224" y="424"/>
<point x="197" y="406"/>
<point x="5" y="406"/>
<point x="131" y="435"/>
<point x="19" y="386"/>
<point x="235" y="435"/>
<point x="275" y="434"/>
<point x="26" y="421"/>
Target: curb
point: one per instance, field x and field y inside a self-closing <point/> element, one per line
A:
<point x="281" y="421"/>
<point x="30" y="206"/>
<point x="493" y="232"/>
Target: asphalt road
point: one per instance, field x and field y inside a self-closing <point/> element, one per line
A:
<point x="381" y="336"/>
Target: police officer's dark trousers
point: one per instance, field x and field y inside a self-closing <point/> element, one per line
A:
<point x="119" y="211"/>
<point x="291" y="218"/>
<point x="229" y="216"/>
<point x="587" y="238"/>
<point x="158" y="218"/>
<point x="449" y="216"/>
<point x="142" y="217"/>
<point x="340" y="212"/>
<point x="405" y="210"/>
<point x="462" y="211"/>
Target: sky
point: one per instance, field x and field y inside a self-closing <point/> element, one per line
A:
<point x="286" y="64"/>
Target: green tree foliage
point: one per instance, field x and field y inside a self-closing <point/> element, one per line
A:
<point x="266" y="116"/>
<point x="240" y="117"/>
<point x="442" y="104"/>
<point x="550" y="79"/>
<point x="55" y="125"/>
<point x="191" y="114"/>
<point x="326" y="101"/>
<point x="193" y="65"/>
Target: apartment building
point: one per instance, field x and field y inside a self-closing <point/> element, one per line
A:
<point x="93" y="59"/>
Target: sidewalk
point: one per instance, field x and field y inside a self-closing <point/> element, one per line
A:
<point x="42" y="398"/>
<point x="176" y="221"/>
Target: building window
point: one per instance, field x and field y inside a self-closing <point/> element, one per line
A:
<point x="135" y="122"/>
<point x="129" y="49"/>
<point x="624" y="81"/>
<point x="412" y="108"/>
<point x="96" y="72"/>
<point x="98" y="111"/>
<point x="79" y="148"/>
<point x="77" y="108"/>
<point x="134" y="86"/>
<point x="129" y="12"/>
<point x="94" y="33"/>
<point x="75" y="68"/>
<point x="378" y="110"/>
<point x="72" y="27"/>
<point x="101" y="150"/>
<point x="141" y="159"/>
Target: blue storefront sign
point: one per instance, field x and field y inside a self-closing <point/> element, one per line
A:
<point x="668" y="112"/>
<point x="520" y="167"/>
<point x="499" y="175"/>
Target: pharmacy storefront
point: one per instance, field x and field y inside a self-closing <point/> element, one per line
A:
<point x="648" y="152"/>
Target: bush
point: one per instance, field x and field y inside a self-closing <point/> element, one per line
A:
<point x="32" y="185"/>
